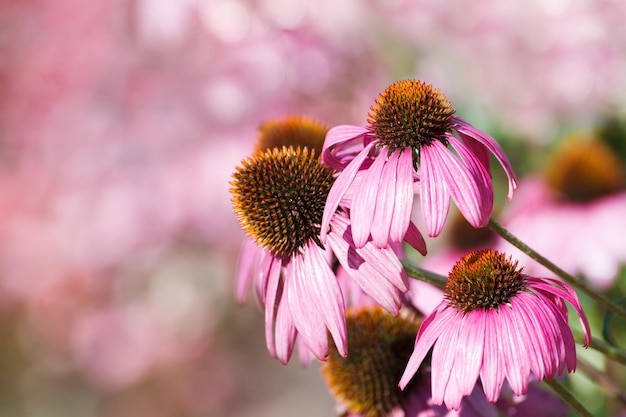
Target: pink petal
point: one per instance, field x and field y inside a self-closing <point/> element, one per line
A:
<point x="318" y="300"/>
<point x="385" y="201"/>
<point x="337" y="152"/>
<point x="514" y="351"/>
<point x="414" y="238"/>
<point x="403" y="199"/>
<point x="431" y="328"/>
<point x="493" y="372"/>
<point x="444" y="366"/>
<point x="339" y="188"/>
<point x="273" y="282"/>
<point x="434" y="194"/>
<point x="364" y="202"/>
<point x="495" y="148"/>
<point x="285" y="333"/>
<point x="470" y="348"/>
<point x="247" y="260"/>
<point x="464" y="186"/>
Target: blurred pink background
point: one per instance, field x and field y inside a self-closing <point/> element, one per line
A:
<point x="121" y="122"/>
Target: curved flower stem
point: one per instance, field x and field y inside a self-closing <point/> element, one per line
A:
<point x="569" y="279"/>
<point x="610" y="351"/>
<point x="567" y="397"/>
<point x="414" y="271"/>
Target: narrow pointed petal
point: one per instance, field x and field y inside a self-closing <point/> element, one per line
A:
<point x="285" y="332"/>
<point x="385" y="202"/>
<point x="434" y="194"/>
<point x="514" y="351"/>
<point x="403" y="199"/>
<point x="316" y="303"/>
<point x="444" y="365"/>
<point x="337" y="150"/>
<point x="464" y="187"/>
<point x="490" y="143"/>
<point x="493" y="372"/>
<point x="273" y="282"/>
<point x="245" y="269"/>
<point x="429" y="331"/>
<point x="414" y="238"/>
<point x="472" y="337"/>
<point x="364" y="202"/>
<point x="342" y="184"/>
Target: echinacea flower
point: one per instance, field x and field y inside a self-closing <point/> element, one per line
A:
<point x="583" y="179"/>
<point x="495" y="323"/>
<point x="279" y="196"/>
<point x="365" y="383"/>
<point x="410" y="142"/>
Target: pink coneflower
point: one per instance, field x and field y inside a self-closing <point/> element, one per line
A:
<point x="365" y="383"/>
<point x="406" y="145"/>
<point x="495" y="323"/>
<point x="583" y="179"/>
<point x="279" y="196"/>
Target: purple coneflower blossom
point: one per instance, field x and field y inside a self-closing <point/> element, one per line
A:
<point x="495" y="323"/>
<point x="408" y="145"/>
<point x="279" y="196"/>
<point x="582" y="179"/>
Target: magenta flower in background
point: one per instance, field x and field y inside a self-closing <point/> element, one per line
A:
<point x="279" y="196"/>
<point x="495" y="323"/>
<point x="404" y="148"/>
<point x="582" y="179"/>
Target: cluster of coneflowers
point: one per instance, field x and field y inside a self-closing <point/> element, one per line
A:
<point x="328" y="213"/>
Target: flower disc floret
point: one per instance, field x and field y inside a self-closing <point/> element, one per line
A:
<point x="366" y="381"/>
<point x="410" y="113"/>
<point x="292" y="131"/>
<point x="484" y="279"/>
<point x="279" y="198"/>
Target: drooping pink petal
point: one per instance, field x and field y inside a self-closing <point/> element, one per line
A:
<point x="444" y="365"/>
<point x="430" y="330"/>
<point x="338" y="149"/>
<point x="273" y="282"/>
<point x="285" y="333"/>
<point x="324" y="294"/>
<point x="377" y="271"/>
<point x="245" y="269"/>
<point x="414" y="238"/>
<point x="385" y="201"/>
<point x="465" y="186"/>
<point x="364" y="203"/>
<point x="342" y="183"/>
<point x="434" y="194"/>
<point x="403" y="199"/>
<point x="472" y="335"/>
<point x="480" y="173"/>
<point x="304" y="309"/>
<point x="493" y="372"/>
<point x="495" y="148"/>
<point x="514" y="352"/>
<point x="566" y="293"/>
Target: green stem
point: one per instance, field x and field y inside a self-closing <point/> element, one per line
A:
<point x="567" y="397"/>
<point x="610" y="351"/>
<point x="416" y="272"/>
<point x="569" y="279"/>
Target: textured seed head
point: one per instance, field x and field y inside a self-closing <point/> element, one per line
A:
<point x="583" y="169"/>
<point x="292" y="131"/>
<point x="409" y="114"/>
<point x="379" y="347"/>
<point x="279" y="197"/>
<point x="484" y="279"/>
